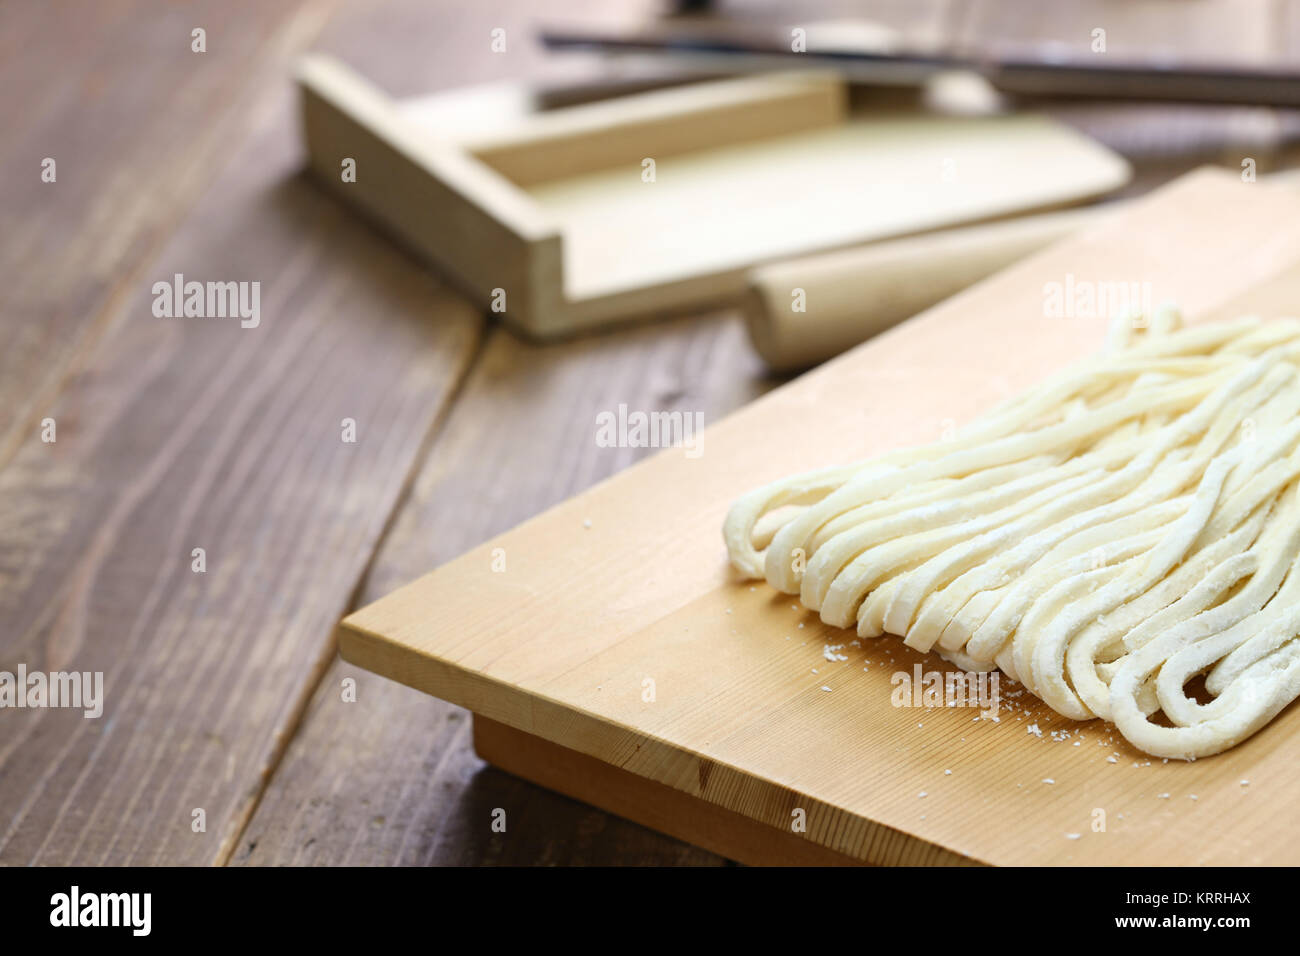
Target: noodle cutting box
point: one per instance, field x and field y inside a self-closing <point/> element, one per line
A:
<point x="588" y="215"/>
<point x="620" y="661"/>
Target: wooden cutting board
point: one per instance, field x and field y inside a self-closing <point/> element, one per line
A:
<point x="749" y="723"/>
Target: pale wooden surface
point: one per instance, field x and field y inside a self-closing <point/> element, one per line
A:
<point x="169" y="433"/>
<point x="899" y="277"/>
<point x="628" y="583"/>
<point x="863" y="180"/>
<point x="552" y="209"/>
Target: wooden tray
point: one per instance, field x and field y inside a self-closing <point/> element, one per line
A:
<point x="553" y="208"/>
<point x="629" y="582"/>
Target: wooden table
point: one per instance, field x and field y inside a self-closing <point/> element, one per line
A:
<point x="231" y="731"/>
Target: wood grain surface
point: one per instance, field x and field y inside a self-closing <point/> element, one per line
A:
<point x="520" y="438"/>
<point x="223" y="688"/>
<point x="548" y="211"/>
<point x="137" y="124"/>
<point x="617" y="629"/>
<point x="189" y="433"/>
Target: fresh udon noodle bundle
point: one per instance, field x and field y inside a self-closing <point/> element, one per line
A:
<point x="1105" y="538"/>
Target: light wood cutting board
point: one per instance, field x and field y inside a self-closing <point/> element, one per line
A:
<point x="629" y="582"/>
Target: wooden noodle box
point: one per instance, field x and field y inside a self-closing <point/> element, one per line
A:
<point x="589" y="215"/>
<point x="628" y="583"/>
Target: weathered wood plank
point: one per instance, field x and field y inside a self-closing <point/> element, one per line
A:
<point x="189" y="433"/>
<point x="137" y="123"/>
<point x="391" y="778"/>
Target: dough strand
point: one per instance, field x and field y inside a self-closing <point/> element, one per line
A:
<point x="1123" y="539"/>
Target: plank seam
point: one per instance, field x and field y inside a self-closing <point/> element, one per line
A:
<point x="243" y="818"/>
